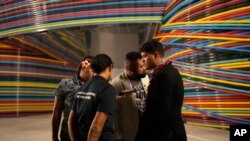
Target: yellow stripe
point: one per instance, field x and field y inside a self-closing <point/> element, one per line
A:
<point x="22" y="107"/>
<point x="13" y="109"/>
<point x="77" y="22"/>
<point x="39" y="48"/>
<point x="33" y="58"/>
<point x="71" y="42"/>
<point x="226" y="108"/>
<point x="221" y="113"/>
<point x="222" y="43"/>
<point x="67" y="39"/>
<point x="218" y="103"/>
<point x="193" y="113"/>
<point x="187" y="10"/>
<point x="33" y="73"/>
<point x="181" y="52"/>
<point x="209" y="125"/>
<point x="26" y="84"/>
<point x="207" y="22"/>
<point x="216" y="80"/>
<point x="232" y="114"/>
<point x="5" y="46"/>
<point x="26" y="104"/>
<point x="224" y="13"/>
<point x="236" y="67"/>
<point x="169" y="4"/>
<point x="232" y="64"/>
<point x="25" y="110"/>
<point x="21" y="92"/>
<point x="203" y="37"/>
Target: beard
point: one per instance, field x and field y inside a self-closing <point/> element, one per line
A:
<point x="141" y="75"/>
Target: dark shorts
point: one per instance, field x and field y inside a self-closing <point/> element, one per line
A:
<point x="104" y="137"/>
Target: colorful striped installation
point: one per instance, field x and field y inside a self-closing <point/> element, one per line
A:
<point x="31" y="66"/>
<point x="37" y="15"/>
<point x="209" y="43"/>
<point x="34" y="56"/>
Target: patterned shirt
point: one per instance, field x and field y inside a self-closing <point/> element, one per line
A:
<point x="66" y="91"/>
<point x="140" y="95"/>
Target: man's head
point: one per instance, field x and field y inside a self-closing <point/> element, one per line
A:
<point x="152" y="53"/>
<point x="134" y="65"/>
<point x="84" y="72"/>
<point x="102" y="65"/>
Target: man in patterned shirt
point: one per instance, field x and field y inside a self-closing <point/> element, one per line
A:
<point x="64" y="97"/>
<point x="131" y="90"/>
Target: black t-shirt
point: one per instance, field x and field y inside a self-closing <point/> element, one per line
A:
<point x="95" y="95"/>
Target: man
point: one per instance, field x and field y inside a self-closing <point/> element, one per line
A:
<point x="131" y="98"/>
<point x="91" y="118"/>
<point x="163" y="119"/>
<point x="65" y="94"/>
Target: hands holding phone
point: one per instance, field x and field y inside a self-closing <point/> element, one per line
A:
<point x="126" y="93"/>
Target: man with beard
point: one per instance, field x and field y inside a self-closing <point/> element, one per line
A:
<point x="131" y="90"/>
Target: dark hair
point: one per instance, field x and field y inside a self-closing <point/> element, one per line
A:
<point x="152" y="46"/>
<point x="100" y="62"/>
<point x="133" y="56"/>
<point x="89" y="58"/>
<point x="131" y="59"/>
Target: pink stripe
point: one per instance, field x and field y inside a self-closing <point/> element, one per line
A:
<point x="82" y="13"/>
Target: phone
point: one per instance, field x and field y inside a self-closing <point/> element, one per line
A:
<point x="127" y="91"/>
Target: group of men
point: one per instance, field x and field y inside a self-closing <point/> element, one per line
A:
<point x="143" y="103"/>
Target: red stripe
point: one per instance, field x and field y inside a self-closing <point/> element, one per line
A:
<point x="82" y="13"/>
<point x="219" y="90"/>
<point x="40" y="7"/>
<point x="213" y="74"/>
<point x="204" y="10"/>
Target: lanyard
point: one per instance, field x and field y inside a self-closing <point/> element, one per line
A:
<point x="137" y="90"/>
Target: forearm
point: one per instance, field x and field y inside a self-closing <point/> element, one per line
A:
<point x="72" y="132"/>
<point x="55" y="126"/>
<point x="56" y="118"/>
<point x="71" y="129"/>
<point x="97" y="125"/>
<point x="94" y="133"/>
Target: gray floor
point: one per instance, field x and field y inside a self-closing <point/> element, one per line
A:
<point x="38" y="128"/>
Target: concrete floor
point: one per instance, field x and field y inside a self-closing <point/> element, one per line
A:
<point x="38" y="128"/>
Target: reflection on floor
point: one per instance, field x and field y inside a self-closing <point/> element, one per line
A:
<point x="38" y="128"/>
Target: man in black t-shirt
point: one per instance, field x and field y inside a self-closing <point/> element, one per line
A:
<point x="91" y="118"/>
<point x="64" y="98"/>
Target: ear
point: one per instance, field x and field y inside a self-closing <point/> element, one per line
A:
<point x="130" y="68"/>
<point x="110" y="68"/>
<point x="156" y="54"/>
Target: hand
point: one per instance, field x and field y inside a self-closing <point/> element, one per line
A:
<point x="126" y="93"/>
<point x="85" y="64"/>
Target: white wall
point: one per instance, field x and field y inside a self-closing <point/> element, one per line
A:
<point x="116" y="45"/>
